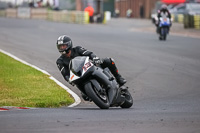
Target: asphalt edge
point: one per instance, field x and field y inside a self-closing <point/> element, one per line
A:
<point x="75" y="96"/>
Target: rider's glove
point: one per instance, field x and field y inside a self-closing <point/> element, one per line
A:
<point x="97" y="60"/>
<point x="67" y="79"/>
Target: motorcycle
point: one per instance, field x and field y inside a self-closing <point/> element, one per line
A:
<point x="98" y="84"/>
<point x="164" y="26"/>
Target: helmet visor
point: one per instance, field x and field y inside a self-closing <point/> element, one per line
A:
<point x="62" y="47"/>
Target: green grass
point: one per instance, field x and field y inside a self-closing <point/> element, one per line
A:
<point x="24" y="86"/>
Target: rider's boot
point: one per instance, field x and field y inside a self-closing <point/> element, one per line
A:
<point x="120" y="79"/>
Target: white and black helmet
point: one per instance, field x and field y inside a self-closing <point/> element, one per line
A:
<point x="66" y="41"/>
<point x="164" y="7"/>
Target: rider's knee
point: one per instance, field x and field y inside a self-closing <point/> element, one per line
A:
<point x="108" y="61"/>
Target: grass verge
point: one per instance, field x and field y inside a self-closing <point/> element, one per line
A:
<point x="24" y="86"/>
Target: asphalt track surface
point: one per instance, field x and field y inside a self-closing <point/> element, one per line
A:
<point x="163" y="77"/>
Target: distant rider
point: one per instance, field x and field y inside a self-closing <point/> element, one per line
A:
<point x="162" y="12"/>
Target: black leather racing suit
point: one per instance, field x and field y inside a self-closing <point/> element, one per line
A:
<point x="164" y="12"/>
<point x="63" y="61"/>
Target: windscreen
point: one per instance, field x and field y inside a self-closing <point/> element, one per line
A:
<point x="77" y="65"/>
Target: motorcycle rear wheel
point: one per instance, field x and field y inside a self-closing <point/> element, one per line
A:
<point x="101" y="100"/>
<point x="128" y="99"/>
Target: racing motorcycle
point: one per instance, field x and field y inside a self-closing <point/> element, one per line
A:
<point x="164" y="26"/>
<point x="98" y="84"/>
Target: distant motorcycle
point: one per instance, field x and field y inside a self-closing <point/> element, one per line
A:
<point x="164" y="26"/>
<point x="98" y="84"/>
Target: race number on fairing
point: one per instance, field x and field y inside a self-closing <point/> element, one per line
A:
<point x="86" y="66"/>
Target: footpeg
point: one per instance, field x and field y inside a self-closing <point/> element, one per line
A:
<point x="123" y="88"/>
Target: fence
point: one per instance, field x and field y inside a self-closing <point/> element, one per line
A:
<point x="39" y="13"/>
<point x="11" y="13"/>
<point x="79" y="17"/>
<point x="2" y="13"/>
<point x="68" y="17"/>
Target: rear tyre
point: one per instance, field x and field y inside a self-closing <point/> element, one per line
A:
<point x="164" y="37"/>
<point x="99" y="98"/>
<point x="160" y="38"/>
<point x="128" y="99"/>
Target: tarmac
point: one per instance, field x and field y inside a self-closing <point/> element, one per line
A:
<point x="146" y="25"/>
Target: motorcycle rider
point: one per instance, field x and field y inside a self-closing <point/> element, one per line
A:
<point x="161" y="12"/>
<point x="68" y="52"/>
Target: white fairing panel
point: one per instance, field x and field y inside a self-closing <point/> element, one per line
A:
<point x="87" y="65"/>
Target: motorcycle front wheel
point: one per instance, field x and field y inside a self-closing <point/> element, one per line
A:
<point x="164" y="32"/>
<point x="99" y="98"/>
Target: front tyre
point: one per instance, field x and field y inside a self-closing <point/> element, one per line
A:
<point x="128" y="99"/>
<point x="99" y="98"/>
<point x="164" y="33"/>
